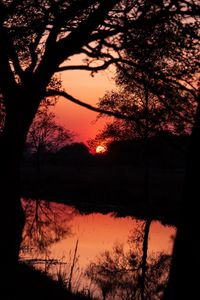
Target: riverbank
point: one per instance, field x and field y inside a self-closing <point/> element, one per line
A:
<point x="34" y="284"/>
<point x="123" y="189"/>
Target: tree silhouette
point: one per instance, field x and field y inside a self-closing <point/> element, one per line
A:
<point x="130" y="101"/>
<point x="37" y="40"/>
<point x="119" y="273"/>
<point x="2" y="114"/>
<point x="74" y="154"/>
<point x="165" y="59"/>
<point x="169" y="59"/>
<point x="46" y="223"/>
<point x="162" y="61"/>
<point x="45" y="134"/>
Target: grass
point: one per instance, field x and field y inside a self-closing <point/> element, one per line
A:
<point x="35" y="284"/>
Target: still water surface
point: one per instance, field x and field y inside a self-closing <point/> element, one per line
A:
<point x="61" y="232"/>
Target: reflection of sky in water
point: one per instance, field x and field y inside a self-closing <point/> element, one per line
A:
<point x="97" y="232"/>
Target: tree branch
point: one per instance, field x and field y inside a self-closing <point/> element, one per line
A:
<point x="159" y="76"/>
<point x="57" y="52"/>
<point x="7" y="79"/>
<point x="84" y="30"/>
<point x="51" y="93"/>
<point x="15" y="59"/>
<point x="87" y="67"/>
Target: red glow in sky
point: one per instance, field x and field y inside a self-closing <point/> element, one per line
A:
<point x="83" y="86"/>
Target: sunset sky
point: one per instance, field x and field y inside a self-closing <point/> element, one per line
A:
<point x="81" y="85"/>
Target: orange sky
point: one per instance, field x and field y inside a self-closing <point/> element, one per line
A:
<point x="81" y="85"/>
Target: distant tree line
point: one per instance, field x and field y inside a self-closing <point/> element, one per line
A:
<point x="165" y="151"/>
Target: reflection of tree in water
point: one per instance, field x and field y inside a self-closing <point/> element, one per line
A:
<point x="45" y="225"/>
<point x="119" y="273"/>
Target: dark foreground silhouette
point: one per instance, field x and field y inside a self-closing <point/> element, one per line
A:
<point x="34" y="284"/>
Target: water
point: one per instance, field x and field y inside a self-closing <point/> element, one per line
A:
<point x="67" y="243"/>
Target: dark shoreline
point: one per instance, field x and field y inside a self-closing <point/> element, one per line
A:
<point x="122" y="193"/>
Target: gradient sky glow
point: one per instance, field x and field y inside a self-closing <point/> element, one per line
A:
<point x="81" y="85"/>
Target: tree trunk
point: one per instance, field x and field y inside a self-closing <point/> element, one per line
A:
<point x="12" y="218"/>
<point x="184" y="279"/>
<point x="144" y="257"/>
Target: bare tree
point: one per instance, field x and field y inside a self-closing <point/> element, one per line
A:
<point x="46" y="134"/>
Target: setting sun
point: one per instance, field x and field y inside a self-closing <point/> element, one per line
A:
<point x="100" y="149"/>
